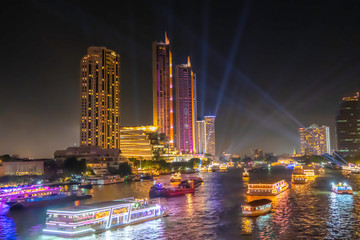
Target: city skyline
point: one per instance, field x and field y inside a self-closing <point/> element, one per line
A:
<point x="260" y="94"/>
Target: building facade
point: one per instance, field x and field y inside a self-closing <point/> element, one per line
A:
<point x="200" y="136"/>
<point x="185" y="85"/>
<point x="21" y="168"/>
<point x="314" y="140"/>
<point x="163" y="88"/>
<point x="100" y="98"/>
<point x="210" y="135"/>
<point x="348" y="126"/>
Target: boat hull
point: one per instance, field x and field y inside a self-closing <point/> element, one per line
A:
<point x="256" y="213"/>
<point x="46" y="202"/>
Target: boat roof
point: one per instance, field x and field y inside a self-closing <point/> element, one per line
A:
<point x="90" y="207"/>
<point x="259" y="202"/>
<point x="267" y="181"/>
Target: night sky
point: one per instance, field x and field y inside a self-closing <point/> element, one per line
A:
<point x="265" y="68"/>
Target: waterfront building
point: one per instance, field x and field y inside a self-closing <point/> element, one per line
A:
<point x="185" y="82"/>
<point x="163" y="88"/>
<point x="92" y="154"/>
<point x="314" y="140"/>
<point x="258" y="153"/>
<point x="200" y="136"/>
<point x="100" y="98"/>
<point x="22" y="167"/>
<point x="210" y="135"/>
<point x="348" y="126"/>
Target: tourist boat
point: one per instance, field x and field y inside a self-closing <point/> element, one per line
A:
<point x="223" y="168"/>
<point x="245" y="173"/>
<point x="262" y="189"/>
<point x="158" y="190"/>
<point x="105" y="180"/>
<point x="256" y="207"/>
<point x="37" y="195"/>
<point x="321" y="171"/>
<point x="176" y="177"/>
<point x="341" y="188"/>
<point x="299" y="178"/>
<point x="196" y="180"/>
<point x="82" y="220"/>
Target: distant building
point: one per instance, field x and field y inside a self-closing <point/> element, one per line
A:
<point x="163" y="88"/>
<point x="258" y="153"/>
<point x="314" y="140"/>
<point x="200" y="136"/>
<point x="210" y="135"/>
<point x="20" y="168"/>
<point x="186" y="114"/>
<point x="348" y="126"/>
<point x="100" y="98"/>
<point x="92" y="154"/>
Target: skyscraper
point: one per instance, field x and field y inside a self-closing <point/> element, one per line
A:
<point x="348" y="126"/>
<point x="163" y="88"/>
<point x="210" y="134"/>
<point x="100" y="98"/>
<point x="314" y="140"/>
<point x="185" y="108"/>
<point x="200" y="137"/>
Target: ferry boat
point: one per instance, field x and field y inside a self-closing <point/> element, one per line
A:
<point x="256" y="207"/>
<point x="223" y="168"/>
<point x="299" y="179"/>
<point x="105" y="180"/>
<point x="176" y="177"/>
<point x="158" y="190"/>
<point x="245" y="173"/>
<point x="37" y="195"/>
<point x="90" y="218"/>
<point x="262" y="189"/>
<point x="341" y="188"/>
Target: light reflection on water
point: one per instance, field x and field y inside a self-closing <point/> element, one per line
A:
<point x="214" y="212"/>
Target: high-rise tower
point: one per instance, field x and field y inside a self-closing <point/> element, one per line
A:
<point x="314" y="140"/>
<point x="163" y="88"/>
<point x="100" y="98"/>
<point x="185" y="108"/>
<point x="210" y="134"/>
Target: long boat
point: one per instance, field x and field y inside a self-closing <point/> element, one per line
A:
<point x="96" y="217"/>
<point x="299" y="178"/>
<point x="262" y="189"/>
<point x="158" y="190"/>
<point x="256" y="207"/>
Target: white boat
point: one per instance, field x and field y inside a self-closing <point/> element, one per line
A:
<point x="90" y="218"/>
<point x="261" y="189"/>
<point x="109" y="179"/>
<point x="341" y="188"/>
<point x="256" y="207"/>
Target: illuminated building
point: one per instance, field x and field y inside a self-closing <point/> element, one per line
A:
<point x="100" y="98"/>
<point x="163" y="89"/>
<point x="314" y="140"/>
<point x="210" y="135"/>
<point x="348" y="126"/>
<point x="185" y="80"/>
<point x="258" y="153"/>
<point x="21" y="168"/>
<point x="200" y="136"/>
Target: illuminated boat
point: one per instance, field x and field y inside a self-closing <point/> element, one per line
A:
<point x="90" y="218"/>
<point x="176" y="177"/>
<point x="158" y="190"/>
<point x="223" y="168"/>
<point x="245" y="173"/>
<point x="37" y="195"/>
<point x="256" y="207"/>
<point x="299" y="179"/>
<point x="262" y="189"/>
<point x="341" y="188"/>
<point x="105" y="180"/>
<point x="321" y="171"/>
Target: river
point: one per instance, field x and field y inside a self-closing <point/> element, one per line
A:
<point x="214" y="211"/>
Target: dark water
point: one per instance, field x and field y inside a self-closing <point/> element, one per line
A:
<point x="213" y="212"/>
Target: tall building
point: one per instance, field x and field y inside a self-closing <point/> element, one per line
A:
<point x="163" y="88"/>
<point x="100" y="98"/>
<point x="210" y="134"/>
<point x="348" y="126"/>
<point x="200" y="136"/>
<point x="314" y="140"/>
<point x="185" y="85"/>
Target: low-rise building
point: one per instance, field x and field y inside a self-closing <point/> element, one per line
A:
<point x="22" y="167"/>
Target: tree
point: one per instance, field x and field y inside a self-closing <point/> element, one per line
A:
<point x="72" y="165"/>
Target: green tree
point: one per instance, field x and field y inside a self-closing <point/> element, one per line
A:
<point x="72" y="165"/>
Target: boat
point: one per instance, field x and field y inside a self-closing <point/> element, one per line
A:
<point x="223" y="168"/>
<point x="176" y="177"/>
<point x="196" y="180"/>
<point x="245" y="173"/>
<point x="321" y="171"/>
<point x="262" y="189"/>
<point x="299" y="178"/>
<point x="37" y="195"/>
<point x="80" y="220"/>
<point x="256" y="207"/>
<point x="341" y="188"/>
<point x="158" y="190"/>
<point x="105" y="180"/>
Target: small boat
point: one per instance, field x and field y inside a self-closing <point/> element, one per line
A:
<point x="256" y="207"/>
<point x="321" y="171"/>
<point x="196" y="180"/>
<point x="178" y="191"/>
<point x="176" y="177"/>
<point x="223" y="168"/>
<point x="80" y="220"/>
<point x="261" y="189"/>
<point x="245" y="173"/>
<point x="158" y="190"/>
<point x="299" y="179"/>
<point x="341" y="188"/>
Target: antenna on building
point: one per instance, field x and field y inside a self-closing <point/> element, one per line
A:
<point x="166" y="39"/>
